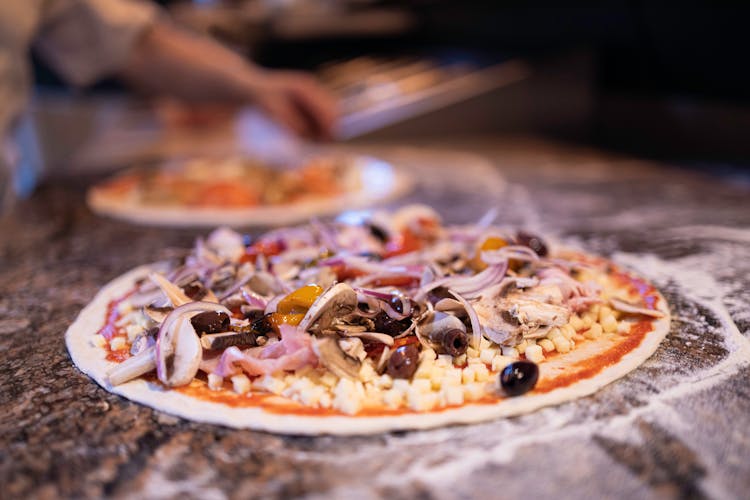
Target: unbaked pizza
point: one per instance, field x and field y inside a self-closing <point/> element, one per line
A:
<point x="367" y="324"/>
<point x="244" y="191"/>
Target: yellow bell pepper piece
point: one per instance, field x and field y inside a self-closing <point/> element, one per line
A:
<point x="491" y="243"/>
<point x="292" y="308"/>
<point x="277" y="319"/>
<point x="300" y="300"/>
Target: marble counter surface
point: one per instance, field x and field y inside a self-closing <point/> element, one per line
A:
<point x="675" y="427"/>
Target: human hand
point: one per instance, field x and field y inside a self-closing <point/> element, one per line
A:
<point x="297" y="101"/>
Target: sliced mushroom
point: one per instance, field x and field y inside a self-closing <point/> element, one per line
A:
<point x="353" y="347"/>
<point x="337" y="301"/>
<point x="142" y="299"/>
<point x="157" y="314"/>
<point x="335" y="359"/>
<point x="383" y="359"/>
<point x="182" y="357"/>
<point x="450" y="306"/>
<point x="133" y="367"/>
<point x="175" y="295"/>
<point x="348" y="329"/>
<point x="178" y="349"/>
<point x="507" y="319"/>
<point x="630" y="308"/>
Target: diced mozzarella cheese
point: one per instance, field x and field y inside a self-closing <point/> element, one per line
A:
<point x="117" y="343"/>
<point x="240" y="383"/>
<point x="215" y="382"/>
<point x="534" y="354"/>
<point x="98" y="341"/>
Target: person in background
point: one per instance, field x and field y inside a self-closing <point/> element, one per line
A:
<point x="87" y="40"/>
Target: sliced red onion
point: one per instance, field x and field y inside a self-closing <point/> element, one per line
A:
<point x="467" y="285"/>
<point x="474" y="288"/>
<point x="253" y="299"/>
<point x="476" y="327"/>
<point x="629" y="308"/>
<point x="354" y="262"/>
<point x="373" y="304"/>
<point x="487" y="219"/>
<point x="273" y="304"/>
<point x="180" y="273"/>
<point x="384" y="299"/>
<point x="235" y="287"/>
<point x="411" y="258"/>
<point x="516" y="252"/>
<point x="391" y="312"/>
<point x="138" y="300"/>
<point x="374" y="293"/>
<point x="164" y="341"/>
<point x="326" y="236"/>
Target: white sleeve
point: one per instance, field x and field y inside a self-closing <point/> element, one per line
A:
<point x="85" y="40"/>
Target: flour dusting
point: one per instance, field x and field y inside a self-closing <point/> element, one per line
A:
<point x="705" y="348"/>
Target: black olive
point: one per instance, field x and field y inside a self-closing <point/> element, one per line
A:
<point x="370" y="256"/>
<point x="532" y="241"/>
<point x="254" y="314"/>
<point x="261" y="325"/>
<point x="210" y="322"/>
<point x="396" y="303"/>
<point x="239" y="336"/>
<point x="378" y="232"/>
<point x="453" y="342"/>
<point x="389" y="326"/>
<point x="195" y="290"/>
<point x="403" y="362"/>
<point x="519" y="377"/>
<point x="439" y="293"/>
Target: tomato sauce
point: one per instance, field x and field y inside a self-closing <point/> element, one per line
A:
<point x="109" y="329"/>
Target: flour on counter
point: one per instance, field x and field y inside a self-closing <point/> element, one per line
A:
<point x="442" y="458"/>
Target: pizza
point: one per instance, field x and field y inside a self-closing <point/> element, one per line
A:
<point x="242" y="191"/>
<point x="379" y="322"/>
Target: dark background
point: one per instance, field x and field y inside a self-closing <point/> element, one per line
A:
<point x="669" y="80"/>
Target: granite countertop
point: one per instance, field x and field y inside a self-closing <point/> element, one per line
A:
<point x="675" y="427"/>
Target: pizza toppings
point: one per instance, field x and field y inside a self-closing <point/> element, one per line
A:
<point x="403" y="362"/>
<point x="417" y="316"/>
<point x="519" y="377"/>
<point x="627" y="307"/>
<point x="293" y="351"/>
<point x="532" y="241"/>
<point x="232" y="183"/>
<point x="210" y="322"/>
<point x="332" y="356"/>
<point x="133" y="367"/>
<point x="443" y="332"/>
<point x="220" y="341"/>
